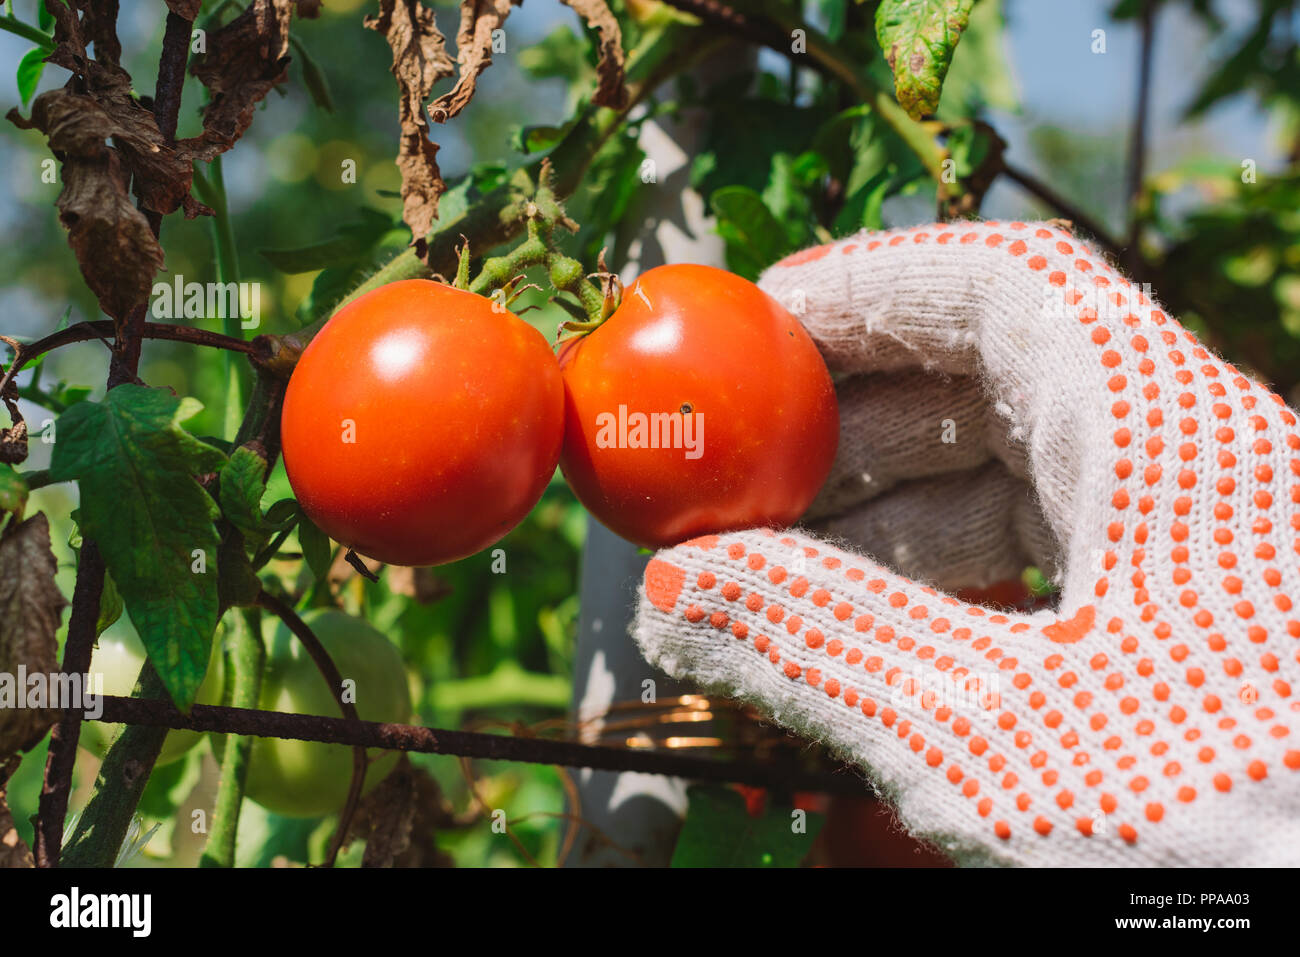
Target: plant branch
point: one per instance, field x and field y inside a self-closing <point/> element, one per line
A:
<point x="330" y="672"/>
<point x="471" y="744"/>
<point x="1067" y="209"/>
<point x="1138" y="135"/>
<point x="101" y="329"/>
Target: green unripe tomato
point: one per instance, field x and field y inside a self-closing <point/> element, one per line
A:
<point x="310" y="779"/>
<point x="119" y="658"/>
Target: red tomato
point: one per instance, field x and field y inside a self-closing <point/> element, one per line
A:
<point x="421" y="424"/>
<point x="699" y="406"/>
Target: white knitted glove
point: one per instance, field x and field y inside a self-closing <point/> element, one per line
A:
<point x="1015" y="400"/>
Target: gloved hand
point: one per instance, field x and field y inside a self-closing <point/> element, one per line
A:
<point x="1012" y="399"/>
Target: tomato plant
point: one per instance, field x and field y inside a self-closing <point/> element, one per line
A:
<point x="700" y="405"/>
<point x="306" y="778"/>
<point x="422" y="423"/>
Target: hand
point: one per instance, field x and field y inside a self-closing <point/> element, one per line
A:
<point x="1011" y="399"/>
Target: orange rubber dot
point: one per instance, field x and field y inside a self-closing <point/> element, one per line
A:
<point x="1002" y="829"/>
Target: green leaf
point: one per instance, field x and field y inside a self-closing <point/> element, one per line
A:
<point x="612" y="182"/>
<point x="315" y="546"/>
<point x="110" y="606"/>
<point x="352" y="242"/>
<point x="243" y="480"/>
<point x="13" y="492"/>
<point x="44" y="19"/>
<point x="755" y="238"/>
<point x="918" y="37"/>
<point x="536" y="139"/>
<point x="30" y="68"/>
<point x="282" y="514"/>
<point x="313" y="77"/>
<point x="153" y="522"/>
<point x="719" y="832"/>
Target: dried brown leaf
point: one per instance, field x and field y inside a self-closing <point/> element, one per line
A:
<point x="116" y="249"/>
<point x="419" y="61"/>
<point x="244" y="60"/>
<point x="399" y="818"/>
<point x="308" y="9"/>
<point x="99" y="26"/>
<point x="478" y="20"/>
<point x="611" y="90"/>
<point x="110" y="237"/>
<point x="30" y="607"/>
<point x="185" y="9"/>
<point x="13" y="440"/>
<point x="14" y="852"/>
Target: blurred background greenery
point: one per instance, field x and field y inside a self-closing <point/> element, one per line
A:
<point x="1215" y="227"/>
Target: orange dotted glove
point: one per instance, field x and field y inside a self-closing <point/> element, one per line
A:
<point x="1012" y="399"/>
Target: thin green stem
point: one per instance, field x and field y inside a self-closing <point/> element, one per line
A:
<point x="28" y="32"/>
<point x="245" y="658"/>
<point x="212" y="191"/>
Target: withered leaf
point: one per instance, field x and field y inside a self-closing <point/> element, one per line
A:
<point x="100" y="106"/>
<point x="30" y="607"/>
<point x="611" y="90"/>
<point x="13" y="440"/>
<point x="14" y="852"/>
<point x="185" y="9"/>
<point x="419" y="61"/>
<point x="111" y="238"/>
<point x="117" y="251"/>
<point x="99" y="25"/>
<point x="308" y="9"/>
<point x="478" y="20"/>
<point x="399" y="818"/>
<point x="245" y="59"/>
